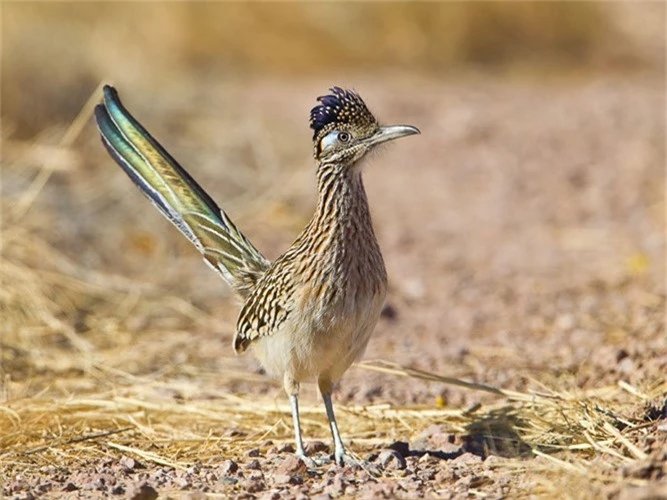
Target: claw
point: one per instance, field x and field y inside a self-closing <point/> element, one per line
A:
<point x="342" y="459"/>
<point x="307" y="461"/>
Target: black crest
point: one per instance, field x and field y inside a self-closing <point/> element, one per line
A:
<point x="341" y="106"/>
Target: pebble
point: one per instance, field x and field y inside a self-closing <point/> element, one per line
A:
<point x="143" y="491"/>
<point x="467" y="458"/>
<point x="427" y="459"/>
<point x="128" y="463"/>
<point x="253" y="465"/>
<point x="316" y="447"/>
<point x="227" y="467"/>
<point x="253" y="485"/>
<point x="282" y="478"/>
<point x="118" y="490"/>
<point x="291" y="465"/>
<point x="255" y="475"/>
<point x="70" y="487"/>
<point x="391" y="459"/>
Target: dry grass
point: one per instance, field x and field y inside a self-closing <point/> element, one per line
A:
<point x="101" y="412"/>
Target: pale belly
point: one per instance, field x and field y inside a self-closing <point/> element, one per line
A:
<point x="315" y="344"/>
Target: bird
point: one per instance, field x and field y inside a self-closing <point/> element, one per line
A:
<point x="308" y="315"/>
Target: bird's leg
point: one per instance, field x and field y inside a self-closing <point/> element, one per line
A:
<point x="340" y="455"/>
<point x="294" y="403"/>
<point x="292" y="390"/>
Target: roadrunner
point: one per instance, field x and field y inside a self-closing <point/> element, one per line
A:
<point x="309" y="314"/>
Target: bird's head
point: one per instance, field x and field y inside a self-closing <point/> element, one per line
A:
<point x="345" y="130"/>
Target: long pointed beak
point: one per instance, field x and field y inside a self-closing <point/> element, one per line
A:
<point x="391" y="132"/>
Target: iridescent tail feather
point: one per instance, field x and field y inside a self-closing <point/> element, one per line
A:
<point x="178" y="196"/>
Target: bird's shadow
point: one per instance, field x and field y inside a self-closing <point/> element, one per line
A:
<point x="494" y="433"/>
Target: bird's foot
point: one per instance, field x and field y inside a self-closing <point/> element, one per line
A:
<point x="307" y="461"/>
<point x="342" y="459"/>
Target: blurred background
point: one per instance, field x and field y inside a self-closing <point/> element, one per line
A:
<point x="56" y="53"/>
<point x="527" y="217"/>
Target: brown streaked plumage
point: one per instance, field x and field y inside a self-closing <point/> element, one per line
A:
<point x="308" y="315"/>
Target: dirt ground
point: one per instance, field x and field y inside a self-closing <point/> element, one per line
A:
<point x="524" y="239"/>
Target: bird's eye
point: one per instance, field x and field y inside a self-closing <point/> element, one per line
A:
<point x="334" y="138"/>
<point x="343" y="136"/>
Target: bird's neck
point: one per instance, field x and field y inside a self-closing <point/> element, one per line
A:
<point x="341" y="197"/>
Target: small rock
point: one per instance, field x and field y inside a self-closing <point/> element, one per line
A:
<point x="288" y="448"/>
<point x="287" y="479"/>
<point x="118" y="490"/>
<point x="467" y="458"/>
<point x="142" y="491"/>
<point x="253" y="485"/>
<point x="255" y="475"/>
<point x="44" y="487"/>
<point x="478" y="481"/>
<point x="391" y="459"/>
<point x="128" y="463"/>
<point x="253" y="452"/>
<point x="316" y="447"/>
<point x="253" y="465"/>
<point x="70" y="487"/>
<point x="282" y="478"/>
<point x="227" y="467"/>
<point x="291" y="465"/>
<point x="428" y="459"/>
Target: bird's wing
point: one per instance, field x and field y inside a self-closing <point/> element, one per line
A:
<point x="267" y="308"/>
<point x="178" y="196"/>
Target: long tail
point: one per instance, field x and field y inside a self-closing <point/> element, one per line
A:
<point x="178" y="196"/>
